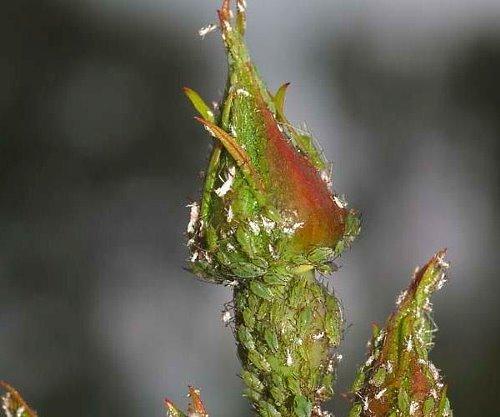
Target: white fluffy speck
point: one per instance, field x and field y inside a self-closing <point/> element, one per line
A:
<point x="268" y="224"/>
<point x="379" y="394"/>
<point x="228" y="183"/>
<point x="230" y="214"/>
<point x="204" y="31"/>
<point x="242" y="92"/>
<point x="254" y="227"/>
<point x="193" y="217"/>
<point x="401" y="297"/>
<point x="409" y="344"/>
<point x="226" y="316"/>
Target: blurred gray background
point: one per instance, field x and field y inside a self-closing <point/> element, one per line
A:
<point x="99" y="156"/>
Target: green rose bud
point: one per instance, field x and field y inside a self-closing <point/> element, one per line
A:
<point x="398" y="379"/>
<point x="266" y="196"/>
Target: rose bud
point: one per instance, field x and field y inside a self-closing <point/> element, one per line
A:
<point x="266" y="222"/>
<point x="398" y="379"/>
<point x="267" y="195"/>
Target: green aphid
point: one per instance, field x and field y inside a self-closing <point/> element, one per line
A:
<point x="321" y="255"/>
<point x="245" y="338"/>
<point x="273" y="279"/>
<point x="428" y="407"/>
<point x="271" y="339"/>
<point x="248" y="241"/>
<point x="248" y="318"/>
<point x="359" y="380"/>
<point x="246" y="270"/>
<point x="261" y="290"/>
<point x="267" y="410"/>
<point x="262" y="311"/>
<point x="305" y="318"/>
<point x="252" y="395"/>
<point x="403" y="400"/>
<point x="356" y="410"/>
<point x="278" y="395"/>
<point x="378" y="377"/>
<point x="444" y="408"/>
<point x="294" y="385"/>
<point x="302" y="406"/>
<point x="251" y="381"/>
<point x="332" y="327"/>
<point x="259" y="361"/>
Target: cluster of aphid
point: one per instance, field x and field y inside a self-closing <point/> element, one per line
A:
<point x="266" y="223"/>
<point x="398" y="379"/>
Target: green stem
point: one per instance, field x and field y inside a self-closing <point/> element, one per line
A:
<point x="287" y="327"/>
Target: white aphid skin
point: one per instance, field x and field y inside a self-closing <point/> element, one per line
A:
<point x="341" y="202"/>
<point x="389" y="368"/>
<point x="413" y="407"/>
<point x="204" y="31"/>
<point x="289" y="359"/>
<point x="366" y="404"/>
<point x="441" y="262"/>
<point x="379" y="394"/>
<point x="318" y="336"/>
<point x="6" y="404"/>
<point x="254" y="227"/>
<point x="226" y="316"/>
<point x="409" y="344"/>
<point x="331" y="366"/>
<point x="227" y="25"/>
<point x="210" y="131"/>
<point x="272" y="251"/>
<point x="241" y="5"/>
<point x="230" y="214"/>
<point x="380" y="337"/>
<point x="401" y="297"/>
<point x="327" y="178"/>
<point x="228" y="183"/>
<point x="434" y="371"/>
<point x="290" y="230"/>
<point x="268" y="224"/>
<point x="442" y="280"/>
<point x="318" y="412"/>
<point x="242" y="92"/>
<point x="230" y="247"/>
<point x="370" y="360"/>
<point x="193" y="217"/>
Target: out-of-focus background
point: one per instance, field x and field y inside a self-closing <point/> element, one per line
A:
<point x="99" y="156"/>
